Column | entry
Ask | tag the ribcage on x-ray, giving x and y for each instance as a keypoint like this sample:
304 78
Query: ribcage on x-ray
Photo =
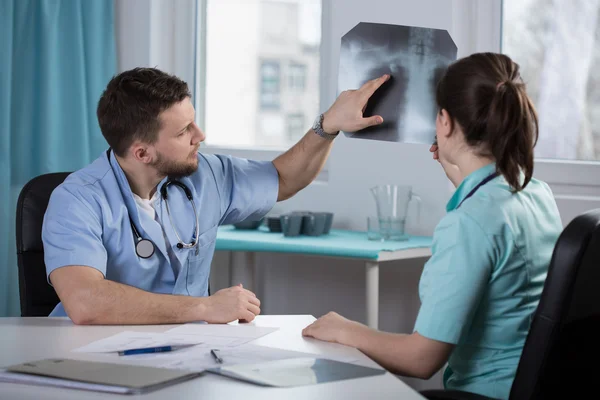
415 58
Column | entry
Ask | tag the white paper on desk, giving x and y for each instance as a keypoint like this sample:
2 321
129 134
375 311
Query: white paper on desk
199 358
137 340
235 334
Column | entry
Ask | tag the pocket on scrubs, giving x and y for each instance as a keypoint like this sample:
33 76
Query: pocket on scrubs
197 267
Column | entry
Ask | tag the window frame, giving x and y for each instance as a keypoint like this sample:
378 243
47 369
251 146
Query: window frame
255 152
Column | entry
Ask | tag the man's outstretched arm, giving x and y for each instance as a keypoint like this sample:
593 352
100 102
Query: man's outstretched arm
301 164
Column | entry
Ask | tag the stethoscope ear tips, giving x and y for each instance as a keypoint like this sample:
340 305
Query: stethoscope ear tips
179 246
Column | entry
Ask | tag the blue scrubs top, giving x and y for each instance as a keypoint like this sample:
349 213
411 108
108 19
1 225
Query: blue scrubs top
480 288
87 222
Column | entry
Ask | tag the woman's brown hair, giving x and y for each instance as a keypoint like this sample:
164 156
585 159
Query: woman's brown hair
485 95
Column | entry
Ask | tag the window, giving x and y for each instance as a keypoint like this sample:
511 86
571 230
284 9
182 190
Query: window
297 77
557 44
269 85
258 63
296 126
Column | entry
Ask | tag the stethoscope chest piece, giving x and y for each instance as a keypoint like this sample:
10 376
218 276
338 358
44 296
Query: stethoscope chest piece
144 248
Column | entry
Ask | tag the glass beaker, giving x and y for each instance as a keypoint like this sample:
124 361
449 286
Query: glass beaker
392 203
373 230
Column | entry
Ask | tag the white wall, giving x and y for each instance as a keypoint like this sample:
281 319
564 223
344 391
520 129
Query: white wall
303 284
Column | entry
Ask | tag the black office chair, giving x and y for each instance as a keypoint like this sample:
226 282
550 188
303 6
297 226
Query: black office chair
561 356
38 298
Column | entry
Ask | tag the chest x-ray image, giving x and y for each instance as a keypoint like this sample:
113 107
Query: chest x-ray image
415 58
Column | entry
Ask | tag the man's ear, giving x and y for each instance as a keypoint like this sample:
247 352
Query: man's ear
141 152
446 123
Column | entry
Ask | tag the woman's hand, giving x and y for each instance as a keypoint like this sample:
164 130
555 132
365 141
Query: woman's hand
451 170
334 328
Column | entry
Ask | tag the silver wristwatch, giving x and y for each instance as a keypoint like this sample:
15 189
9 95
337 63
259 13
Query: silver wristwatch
318 128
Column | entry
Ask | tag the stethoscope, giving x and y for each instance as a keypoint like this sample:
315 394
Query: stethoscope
480 184
145 248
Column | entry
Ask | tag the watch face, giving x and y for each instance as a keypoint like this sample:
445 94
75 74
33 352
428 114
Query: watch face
317 122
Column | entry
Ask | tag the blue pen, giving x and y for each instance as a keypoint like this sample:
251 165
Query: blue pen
148 350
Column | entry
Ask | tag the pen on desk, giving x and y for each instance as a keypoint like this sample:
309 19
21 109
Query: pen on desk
216 356
148 350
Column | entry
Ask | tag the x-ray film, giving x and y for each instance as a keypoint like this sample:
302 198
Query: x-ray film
415 58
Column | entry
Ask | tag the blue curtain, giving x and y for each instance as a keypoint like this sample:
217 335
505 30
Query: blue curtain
57 57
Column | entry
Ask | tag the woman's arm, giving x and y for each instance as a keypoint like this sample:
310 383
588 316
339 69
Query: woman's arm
408 355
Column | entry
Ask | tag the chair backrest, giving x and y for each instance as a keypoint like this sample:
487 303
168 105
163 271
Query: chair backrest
562 350
38 298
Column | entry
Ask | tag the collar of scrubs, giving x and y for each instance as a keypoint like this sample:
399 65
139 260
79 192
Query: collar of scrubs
468 184
147 226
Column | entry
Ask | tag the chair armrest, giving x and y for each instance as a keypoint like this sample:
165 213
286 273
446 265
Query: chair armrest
437 394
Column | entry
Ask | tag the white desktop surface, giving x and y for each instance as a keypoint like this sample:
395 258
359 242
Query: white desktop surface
28 339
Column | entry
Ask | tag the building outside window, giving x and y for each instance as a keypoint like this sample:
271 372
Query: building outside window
557 44
260 64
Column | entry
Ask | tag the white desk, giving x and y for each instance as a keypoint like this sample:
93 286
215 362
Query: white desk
339 244
28 339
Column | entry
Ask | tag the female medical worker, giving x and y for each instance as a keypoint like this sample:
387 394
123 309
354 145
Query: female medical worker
490 252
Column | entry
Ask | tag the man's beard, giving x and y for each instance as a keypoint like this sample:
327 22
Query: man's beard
174 169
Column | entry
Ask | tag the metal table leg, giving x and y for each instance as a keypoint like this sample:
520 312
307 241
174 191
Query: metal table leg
372 287
250 263
245 273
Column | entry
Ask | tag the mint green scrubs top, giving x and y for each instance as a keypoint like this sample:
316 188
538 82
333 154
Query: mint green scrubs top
483 282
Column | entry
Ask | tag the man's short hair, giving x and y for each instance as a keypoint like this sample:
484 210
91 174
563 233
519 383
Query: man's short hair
129 108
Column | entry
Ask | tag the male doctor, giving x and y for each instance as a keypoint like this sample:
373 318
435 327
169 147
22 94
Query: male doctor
129 239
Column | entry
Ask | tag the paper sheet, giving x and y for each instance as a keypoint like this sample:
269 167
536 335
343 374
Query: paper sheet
198 358
137 340
248 332
209 336
232 341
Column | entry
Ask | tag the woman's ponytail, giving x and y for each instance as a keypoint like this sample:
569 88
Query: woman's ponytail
511 133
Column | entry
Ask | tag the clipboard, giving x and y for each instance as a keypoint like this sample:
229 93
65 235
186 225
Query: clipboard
94 376
296 372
